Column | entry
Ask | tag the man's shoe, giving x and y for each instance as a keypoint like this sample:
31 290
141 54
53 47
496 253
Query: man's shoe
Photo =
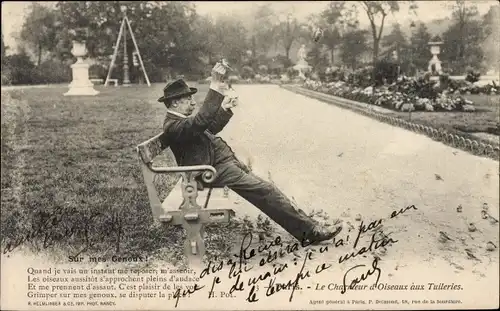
319 234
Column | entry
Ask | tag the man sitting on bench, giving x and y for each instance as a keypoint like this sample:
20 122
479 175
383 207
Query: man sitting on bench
193 141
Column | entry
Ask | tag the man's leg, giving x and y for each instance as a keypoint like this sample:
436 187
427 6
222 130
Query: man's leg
265 196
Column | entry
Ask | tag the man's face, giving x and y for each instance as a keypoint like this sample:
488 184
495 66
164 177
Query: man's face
185 105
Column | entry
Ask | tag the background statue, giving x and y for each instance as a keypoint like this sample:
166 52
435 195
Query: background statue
301 53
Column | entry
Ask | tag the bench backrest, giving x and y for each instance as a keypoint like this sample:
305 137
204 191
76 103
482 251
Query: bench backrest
152 147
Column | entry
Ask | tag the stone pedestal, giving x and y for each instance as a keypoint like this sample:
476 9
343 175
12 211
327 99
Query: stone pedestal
435 50
81 85
302 67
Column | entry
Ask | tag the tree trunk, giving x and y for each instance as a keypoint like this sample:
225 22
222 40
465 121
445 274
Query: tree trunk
375 51
39 55
254 47
331 56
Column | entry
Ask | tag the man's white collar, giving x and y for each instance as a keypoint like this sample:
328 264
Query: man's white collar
176 113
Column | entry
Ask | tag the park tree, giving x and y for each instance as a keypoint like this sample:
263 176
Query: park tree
419 49
316 58
354 43
287 31
396 43
329 22
462 40
230 39
262 29
377 11
40 29
204 30
4 50
491 38
335 20
396 38
164 30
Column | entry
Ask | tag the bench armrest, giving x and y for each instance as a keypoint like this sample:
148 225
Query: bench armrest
208 171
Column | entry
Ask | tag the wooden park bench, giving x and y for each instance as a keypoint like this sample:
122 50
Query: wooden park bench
114 81
96 80
189 214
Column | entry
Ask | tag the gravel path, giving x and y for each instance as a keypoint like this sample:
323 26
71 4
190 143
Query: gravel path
347 164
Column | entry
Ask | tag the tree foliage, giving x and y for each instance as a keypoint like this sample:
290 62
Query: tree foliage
174 39
40 30
419 48
288 31
337 19
354 44
462 40
491 44
262 31
316 58
163 30
377 11
4 50
230 39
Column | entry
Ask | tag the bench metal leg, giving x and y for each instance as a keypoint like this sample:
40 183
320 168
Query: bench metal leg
190 215
194 246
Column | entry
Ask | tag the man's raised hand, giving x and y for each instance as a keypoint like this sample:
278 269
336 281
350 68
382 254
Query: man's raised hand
218 72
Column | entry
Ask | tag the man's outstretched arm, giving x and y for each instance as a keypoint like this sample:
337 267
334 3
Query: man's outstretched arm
221 119
224 113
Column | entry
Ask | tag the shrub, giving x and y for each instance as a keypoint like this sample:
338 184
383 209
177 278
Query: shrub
247 72
6 76
98 71
385 72
263 69
472 75
21 69
155 74
292 73
52 71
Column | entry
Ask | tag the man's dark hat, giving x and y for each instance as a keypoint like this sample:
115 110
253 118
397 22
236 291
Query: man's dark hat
176 89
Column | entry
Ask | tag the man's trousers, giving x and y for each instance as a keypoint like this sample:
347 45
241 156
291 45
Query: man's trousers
264 195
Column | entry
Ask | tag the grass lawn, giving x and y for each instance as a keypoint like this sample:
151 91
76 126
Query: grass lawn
70 174
485 119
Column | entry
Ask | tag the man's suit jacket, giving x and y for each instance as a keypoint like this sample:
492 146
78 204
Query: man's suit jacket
188 137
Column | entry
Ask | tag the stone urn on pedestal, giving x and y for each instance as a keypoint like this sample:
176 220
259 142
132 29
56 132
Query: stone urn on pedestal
81 85
435 63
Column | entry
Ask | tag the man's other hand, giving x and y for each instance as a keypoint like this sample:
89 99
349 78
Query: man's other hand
229 102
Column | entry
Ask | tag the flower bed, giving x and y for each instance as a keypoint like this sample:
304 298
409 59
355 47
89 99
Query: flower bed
407 94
